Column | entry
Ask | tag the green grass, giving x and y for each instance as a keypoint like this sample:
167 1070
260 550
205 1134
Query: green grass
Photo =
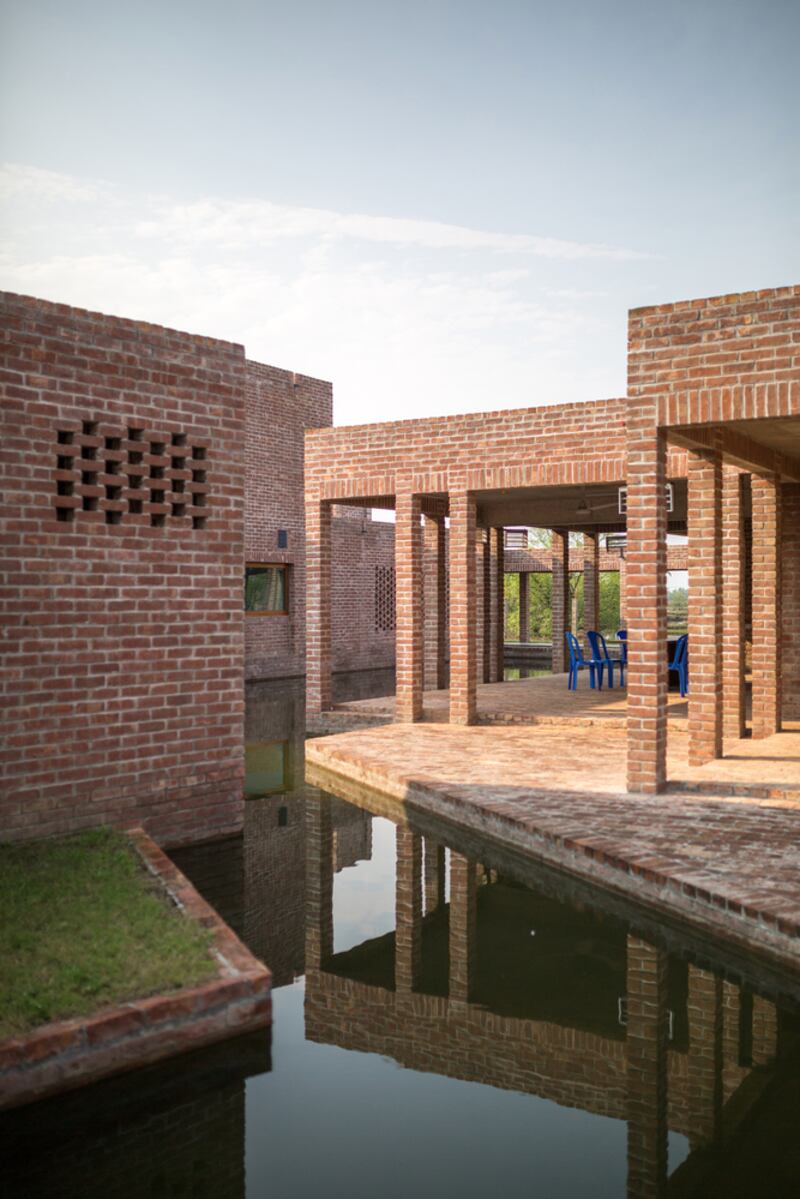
82 925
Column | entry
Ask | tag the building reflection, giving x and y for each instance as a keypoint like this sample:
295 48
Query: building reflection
508 987
174 1128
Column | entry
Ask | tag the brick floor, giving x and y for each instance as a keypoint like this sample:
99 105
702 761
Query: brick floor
543 699
715 857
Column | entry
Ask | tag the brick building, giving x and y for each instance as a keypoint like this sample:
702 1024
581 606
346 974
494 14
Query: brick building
143 470
713 410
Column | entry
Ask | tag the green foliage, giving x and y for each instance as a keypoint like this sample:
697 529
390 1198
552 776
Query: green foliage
83 925
540 597
678 610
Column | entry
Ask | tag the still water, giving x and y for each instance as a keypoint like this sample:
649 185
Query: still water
449 1020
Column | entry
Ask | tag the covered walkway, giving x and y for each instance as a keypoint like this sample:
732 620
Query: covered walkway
707 444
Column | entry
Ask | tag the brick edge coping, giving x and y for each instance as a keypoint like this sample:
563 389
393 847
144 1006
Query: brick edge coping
637 877
70 1053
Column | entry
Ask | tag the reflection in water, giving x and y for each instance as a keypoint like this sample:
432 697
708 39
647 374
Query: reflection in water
552 1040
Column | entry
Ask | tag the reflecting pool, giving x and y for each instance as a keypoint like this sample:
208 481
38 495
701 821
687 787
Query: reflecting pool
450 1019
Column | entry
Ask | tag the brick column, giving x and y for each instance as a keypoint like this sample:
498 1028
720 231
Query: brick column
318 606
434 875
409 635
561 600
765 1031
623 578
646 601
591 581
524 606
408 910
766 605
319 880
463 927
732 1072
497 633
705 605
704 1006
646 1054
463 695
483 607
435 571
734 483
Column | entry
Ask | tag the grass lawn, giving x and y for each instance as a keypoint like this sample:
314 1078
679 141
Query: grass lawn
82 925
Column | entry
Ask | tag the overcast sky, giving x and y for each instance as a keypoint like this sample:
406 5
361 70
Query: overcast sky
439 206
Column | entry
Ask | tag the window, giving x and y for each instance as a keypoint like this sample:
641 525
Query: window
266 592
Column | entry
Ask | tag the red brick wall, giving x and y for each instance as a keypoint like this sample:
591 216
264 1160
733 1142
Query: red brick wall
281 406
790 564
123 640
359 551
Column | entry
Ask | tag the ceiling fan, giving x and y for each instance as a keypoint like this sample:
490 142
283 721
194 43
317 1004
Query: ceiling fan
585 508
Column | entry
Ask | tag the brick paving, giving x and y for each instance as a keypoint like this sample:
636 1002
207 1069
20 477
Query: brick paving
728 861
543 699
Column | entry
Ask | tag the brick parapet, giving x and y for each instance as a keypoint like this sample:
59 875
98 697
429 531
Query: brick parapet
723 358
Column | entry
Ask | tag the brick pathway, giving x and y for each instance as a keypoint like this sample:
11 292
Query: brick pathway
729 863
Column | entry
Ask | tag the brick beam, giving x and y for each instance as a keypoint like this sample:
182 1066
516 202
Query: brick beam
463 678
766 605
496 638
435 571
646 1054
318 606
409 640
737 449
408 910
524 607
704 1009
591 581
319 880
463 927
561 599
705 605
646 606
734 484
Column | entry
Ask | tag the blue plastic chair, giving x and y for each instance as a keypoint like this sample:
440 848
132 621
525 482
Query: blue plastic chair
577 662
600 654
679 662
622 637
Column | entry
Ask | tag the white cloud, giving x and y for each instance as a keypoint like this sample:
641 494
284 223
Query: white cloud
29 184
406 317
233 224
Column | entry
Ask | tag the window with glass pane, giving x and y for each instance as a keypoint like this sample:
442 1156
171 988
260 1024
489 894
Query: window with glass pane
265 589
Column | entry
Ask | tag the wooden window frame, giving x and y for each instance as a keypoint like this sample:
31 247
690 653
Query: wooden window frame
284 566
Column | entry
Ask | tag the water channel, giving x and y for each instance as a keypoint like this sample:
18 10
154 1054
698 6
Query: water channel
450 1019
